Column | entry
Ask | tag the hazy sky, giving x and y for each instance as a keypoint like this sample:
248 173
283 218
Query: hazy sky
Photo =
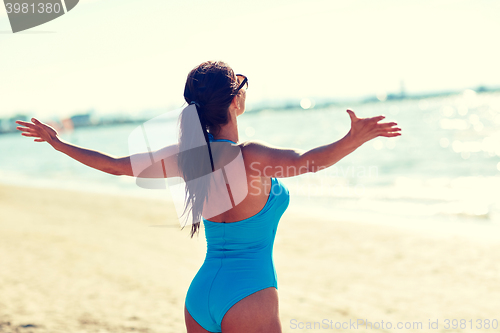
128 55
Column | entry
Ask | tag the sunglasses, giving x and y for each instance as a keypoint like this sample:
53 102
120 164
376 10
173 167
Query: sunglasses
243 83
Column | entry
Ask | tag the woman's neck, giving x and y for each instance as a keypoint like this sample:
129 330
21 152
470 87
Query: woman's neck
229 131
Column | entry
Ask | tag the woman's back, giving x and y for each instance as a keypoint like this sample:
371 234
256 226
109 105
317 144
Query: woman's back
258 189
239 260
252 233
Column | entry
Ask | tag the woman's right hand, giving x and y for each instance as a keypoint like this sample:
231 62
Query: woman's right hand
40 131
365 129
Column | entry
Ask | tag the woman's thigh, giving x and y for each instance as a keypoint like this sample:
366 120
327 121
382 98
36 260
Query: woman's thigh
256 313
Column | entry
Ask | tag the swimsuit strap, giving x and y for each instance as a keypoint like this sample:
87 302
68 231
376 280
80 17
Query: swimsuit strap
211 138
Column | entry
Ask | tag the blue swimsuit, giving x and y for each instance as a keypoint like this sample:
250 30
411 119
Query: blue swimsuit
239 261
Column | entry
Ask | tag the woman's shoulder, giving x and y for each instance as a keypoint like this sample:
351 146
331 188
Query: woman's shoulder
252 147
260 157
271 160
254 150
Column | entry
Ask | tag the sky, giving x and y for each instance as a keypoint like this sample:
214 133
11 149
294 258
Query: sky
131 55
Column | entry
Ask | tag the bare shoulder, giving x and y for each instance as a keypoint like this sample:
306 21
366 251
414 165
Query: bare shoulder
262 157
256 150
257 147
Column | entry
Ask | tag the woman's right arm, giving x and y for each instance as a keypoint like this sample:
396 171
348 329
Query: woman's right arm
268 161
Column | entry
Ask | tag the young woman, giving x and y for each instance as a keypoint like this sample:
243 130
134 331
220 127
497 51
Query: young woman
235 290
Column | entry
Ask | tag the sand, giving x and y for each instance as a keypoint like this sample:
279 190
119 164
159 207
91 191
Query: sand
80 262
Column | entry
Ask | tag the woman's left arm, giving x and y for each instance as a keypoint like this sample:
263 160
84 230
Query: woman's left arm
156 164
45 133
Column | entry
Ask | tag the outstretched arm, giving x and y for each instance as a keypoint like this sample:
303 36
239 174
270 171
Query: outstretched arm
165 158
269 161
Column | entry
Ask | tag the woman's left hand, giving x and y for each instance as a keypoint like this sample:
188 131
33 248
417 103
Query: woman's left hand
42 132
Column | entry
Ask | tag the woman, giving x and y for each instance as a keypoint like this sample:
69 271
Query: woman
235 290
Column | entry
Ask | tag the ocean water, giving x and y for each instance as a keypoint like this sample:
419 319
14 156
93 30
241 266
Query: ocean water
443 171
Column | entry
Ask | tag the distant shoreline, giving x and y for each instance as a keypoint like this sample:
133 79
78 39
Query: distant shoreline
91 119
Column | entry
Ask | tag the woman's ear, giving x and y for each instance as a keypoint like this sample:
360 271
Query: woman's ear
236 102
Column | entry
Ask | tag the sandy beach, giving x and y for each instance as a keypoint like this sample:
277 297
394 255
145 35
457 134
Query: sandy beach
80 262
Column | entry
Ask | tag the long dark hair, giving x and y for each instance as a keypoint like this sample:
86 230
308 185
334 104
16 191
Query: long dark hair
211 86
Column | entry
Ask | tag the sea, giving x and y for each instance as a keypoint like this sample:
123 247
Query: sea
441 176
